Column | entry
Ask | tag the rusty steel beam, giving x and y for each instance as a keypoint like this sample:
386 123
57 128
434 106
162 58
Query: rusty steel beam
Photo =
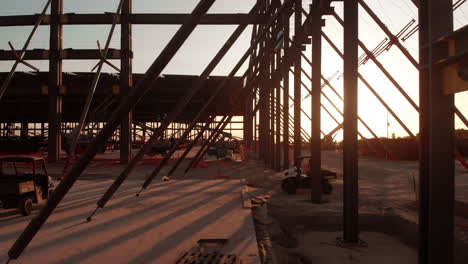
350 137
111 125
136 19
66 54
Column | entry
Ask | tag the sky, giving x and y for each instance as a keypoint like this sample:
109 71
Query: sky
205 41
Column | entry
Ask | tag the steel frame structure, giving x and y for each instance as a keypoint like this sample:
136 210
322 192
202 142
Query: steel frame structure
272 55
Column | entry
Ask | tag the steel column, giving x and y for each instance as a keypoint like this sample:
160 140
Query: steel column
350 139
315 142
437 167
286 68
297 81
424 124
126 81
278 118
55 82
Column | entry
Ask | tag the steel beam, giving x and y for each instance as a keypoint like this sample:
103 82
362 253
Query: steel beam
126 81
271 105
373 91
20 57
55 82
405 52
211 139
136 19
338 110
190 146
84 114
180 106
437 168
262 35
393 39
424 125
67 54
315 142
381 67
111 125
297 81
278 146
286 150
350 139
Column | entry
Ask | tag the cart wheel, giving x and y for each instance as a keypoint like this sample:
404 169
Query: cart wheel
25 206
327 188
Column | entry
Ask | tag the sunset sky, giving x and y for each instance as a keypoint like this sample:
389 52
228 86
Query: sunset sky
203 44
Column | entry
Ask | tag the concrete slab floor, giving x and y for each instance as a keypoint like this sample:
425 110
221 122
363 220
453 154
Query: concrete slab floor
321 248
386 188
158 227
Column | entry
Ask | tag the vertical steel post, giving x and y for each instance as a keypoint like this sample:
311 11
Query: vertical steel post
262 127
278 145
248 119
126 80
350 148
424 58
286 68
271 105
315 142
55 82
437 126
297 81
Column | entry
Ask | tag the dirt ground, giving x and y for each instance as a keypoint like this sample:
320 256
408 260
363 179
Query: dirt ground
292 230
300 232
